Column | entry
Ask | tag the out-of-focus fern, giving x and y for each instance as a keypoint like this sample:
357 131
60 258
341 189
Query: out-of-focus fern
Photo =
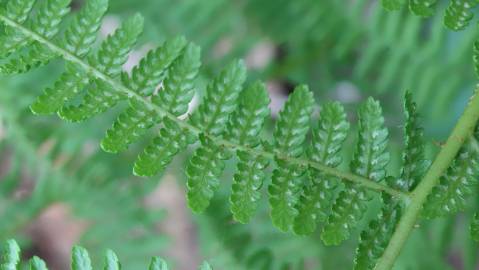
80 260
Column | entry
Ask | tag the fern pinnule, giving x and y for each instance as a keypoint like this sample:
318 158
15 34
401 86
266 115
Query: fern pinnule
37 264
176 93
458 14
423 8
146 76
109 59
111 261
327 139
81 34
370 160
244 127
289 137
220 99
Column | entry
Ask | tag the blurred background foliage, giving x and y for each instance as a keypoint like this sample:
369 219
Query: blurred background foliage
57 188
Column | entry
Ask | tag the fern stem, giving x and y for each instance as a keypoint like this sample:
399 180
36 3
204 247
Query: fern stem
462 131
363 181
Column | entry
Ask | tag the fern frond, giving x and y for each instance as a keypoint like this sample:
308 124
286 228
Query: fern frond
80 260
449 196
328 137
227 124
458 14
289 136
475 227
109 59
370 160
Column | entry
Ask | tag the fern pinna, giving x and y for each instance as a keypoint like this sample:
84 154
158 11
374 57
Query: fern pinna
80 260
307 187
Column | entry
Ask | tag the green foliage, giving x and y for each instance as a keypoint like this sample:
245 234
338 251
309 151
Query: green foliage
80 260
227 125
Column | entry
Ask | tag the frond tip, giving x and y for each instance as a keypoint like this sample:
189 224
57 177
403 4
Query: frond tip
10 260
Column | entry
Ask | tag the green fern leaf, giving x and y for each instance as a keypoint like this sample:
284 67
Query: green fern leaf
10 256
220 100
414 161
207 163
171 140
392 4
423 8
458 14
177 93
449 196
158 264
47 24
111 261
37 264
328 136
203 172
375 238
18 10
110 58
370 160
475 227
70 83
81 34
146 77
80 259
244 128
289 135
